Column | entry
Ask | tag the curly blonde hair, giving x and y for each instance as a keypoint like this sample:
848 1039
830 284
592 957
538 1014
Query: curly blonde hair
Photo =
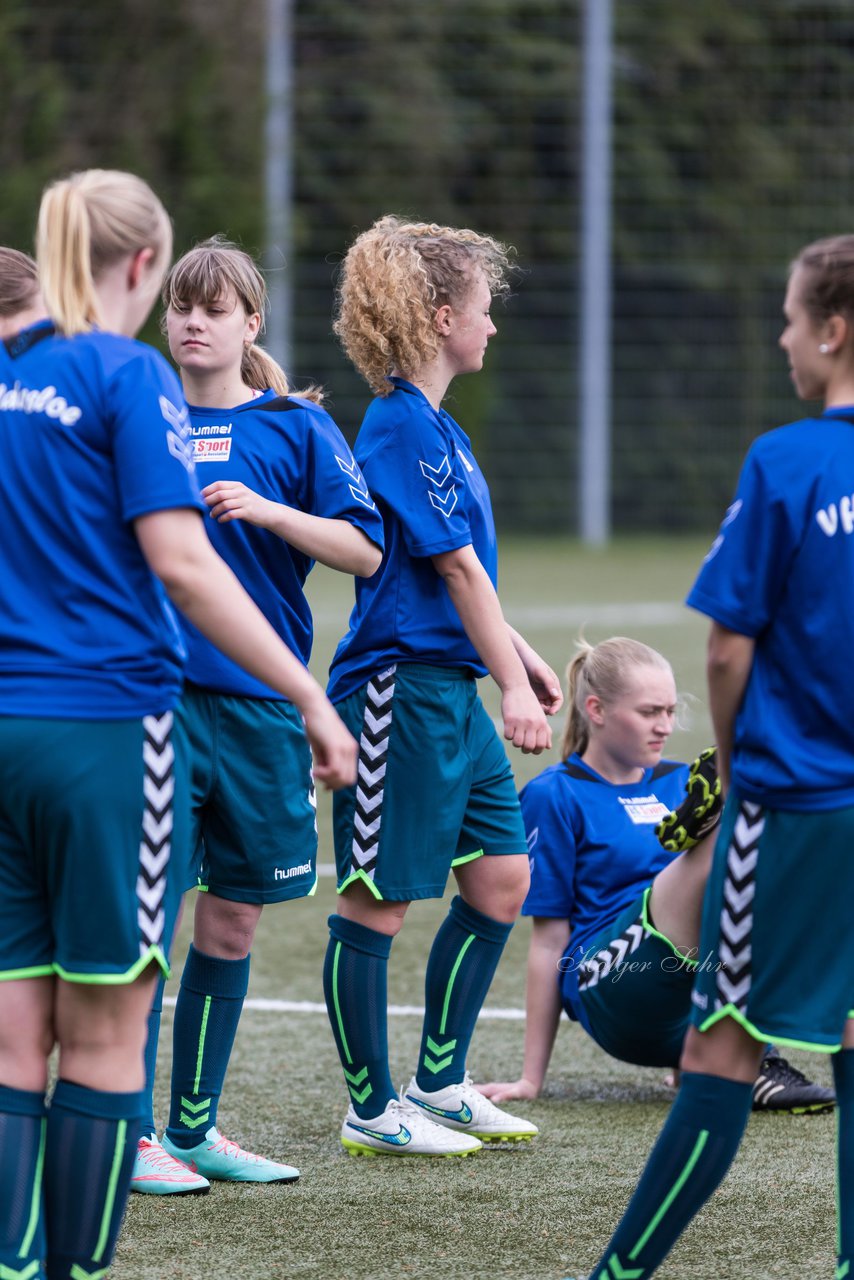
394 278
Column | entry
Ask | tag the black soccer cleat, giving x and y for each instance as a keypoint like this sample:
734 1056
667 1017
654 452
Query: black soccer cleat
781 1087
700 811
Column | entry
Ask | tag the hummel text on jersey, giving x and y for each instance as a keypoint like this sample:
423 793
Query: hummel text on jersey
833 515
44 400
288 873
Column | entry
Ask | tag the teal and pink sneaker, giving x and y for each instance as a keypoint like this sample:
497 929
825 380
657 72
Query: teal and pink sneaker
222 1160
156 1173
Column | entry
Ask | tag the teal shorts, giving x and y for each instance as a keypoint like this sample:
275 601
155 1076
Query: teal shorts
254 828
434 789
632 990
94 820
777 947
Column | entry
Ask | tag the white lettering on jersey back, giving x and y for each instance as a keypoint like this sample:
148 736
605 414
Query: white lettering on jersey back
833 516
643 809
39 400
437 479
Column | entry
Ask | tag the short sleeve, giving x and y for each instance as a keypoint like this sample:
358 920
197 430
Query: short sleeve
417 472
338 490
546 811
747 566
151 438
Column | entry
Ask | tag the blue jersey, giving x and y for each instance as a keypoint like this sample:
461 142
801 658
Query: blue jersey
593 846
433 498
782 572
92 436
290 451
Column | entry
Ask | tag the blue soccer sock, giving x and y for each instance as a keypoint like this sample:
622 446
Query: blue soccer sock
91 1144
462 964
210 1001
355 987
23 1133
151 1056
843 1079
690 1159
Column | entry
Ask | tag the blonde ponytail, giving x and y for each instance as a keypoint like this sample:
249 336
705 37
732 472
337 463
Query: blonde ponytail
86 224
605 671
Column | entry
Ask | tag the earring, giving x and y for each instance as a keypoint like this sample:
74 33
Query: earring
824 348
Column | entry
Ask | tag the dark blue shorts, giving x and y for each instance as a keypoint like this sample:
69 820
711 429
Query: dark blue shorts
632 990
435 787
94 823
777 947
254 828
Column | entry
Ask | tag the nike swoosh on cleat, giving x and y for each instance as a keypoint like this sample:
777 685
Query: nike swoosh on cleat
463 1115
400 1139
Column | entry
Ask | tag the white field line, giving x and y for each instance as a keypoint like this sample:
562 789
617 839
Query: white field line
395 1010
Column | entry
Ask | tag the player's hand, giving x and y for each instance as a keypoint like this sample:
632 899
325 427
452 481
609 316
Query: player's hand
334 749
545 685
231 500
508 1090
525 724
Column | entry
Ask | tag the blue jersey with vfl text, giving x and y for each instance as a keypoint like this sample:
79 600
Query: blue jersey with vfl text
782 572
433 498
593 848
92 436
288 450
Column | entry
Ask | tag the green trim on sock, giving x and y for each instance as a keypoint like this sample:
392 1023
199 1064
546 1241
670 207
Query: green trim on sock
673 1193
842 1271
26 1273
202 888
366 879
201 1052
37 971
656 933
764 1037
193 1121
116 979
619 1272
77 1273
110 1198
463 949
338 1014
466 857
36 1202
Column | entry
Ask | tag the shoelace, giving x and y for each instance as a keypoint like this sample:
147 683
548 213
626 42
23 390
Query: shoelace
234 1151
154 1155
783 1068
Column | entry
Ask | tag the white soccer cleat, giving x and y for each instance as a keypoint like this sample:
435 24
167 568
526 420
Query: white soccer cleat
464 1108
402 1130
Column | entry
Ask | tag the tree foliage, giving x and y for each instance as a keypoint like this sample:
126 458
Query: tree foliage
731 149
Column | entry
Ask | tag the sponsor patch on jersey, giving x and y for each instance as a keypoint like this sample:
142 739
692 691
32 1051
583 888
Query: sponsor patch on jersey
217 449
644 809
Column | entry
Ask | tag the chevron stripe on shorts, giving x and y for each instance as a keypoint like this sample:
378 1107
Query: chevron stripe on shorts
612 956
736 929
370 780
155 844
